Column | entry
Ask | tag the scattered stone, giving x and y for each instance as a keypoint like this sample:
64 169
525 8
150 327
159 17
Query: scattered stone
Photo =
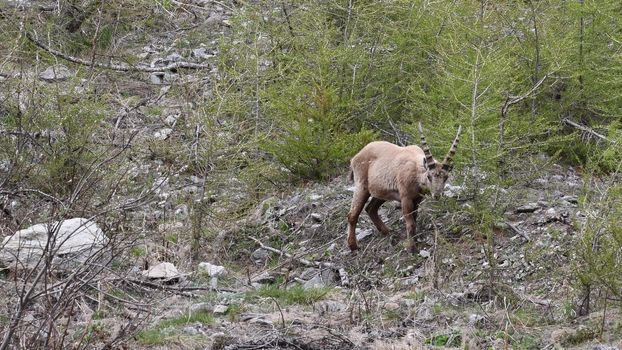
203 53
260 255
171 119
181 212
220 309
424 312
198 307
174 57
160 78
212 270
159 183
163 270
528 208
215 19
314 229
75 241
191 329
316 217
363 233
264 210
424 253
309 273
54 73
329 306
323 279
170 226
391 306
409 281
452 191
604 347
162 134
221 341
315 197
191 189
571 199
475 319
263 278
196 180
552 215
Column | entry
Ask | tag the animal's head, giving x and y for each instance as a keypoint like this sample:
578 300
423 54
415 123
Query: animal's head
437 173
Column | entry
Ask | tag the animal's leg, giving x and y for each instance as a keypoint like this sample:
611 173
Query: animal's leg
358 202
409 208
372 209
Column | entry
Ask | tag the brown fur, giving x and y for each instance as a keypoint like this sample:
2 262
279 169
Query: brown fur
384 171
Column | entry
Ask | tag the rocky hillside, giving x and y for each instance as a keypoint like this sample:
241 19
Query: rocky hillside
154 195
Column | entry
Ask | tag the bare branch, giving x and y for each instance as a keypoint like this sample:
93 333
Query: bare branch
586 129
300 260
117 67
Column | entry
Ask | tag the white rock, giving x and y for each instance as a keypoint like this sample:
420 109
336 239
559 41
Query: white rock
452 191
162 134
424 253
315 197
74 241
391 306
263 277
159 78
163 270
316 217
362 234
202 53
329 306
181 212
212 270
174 57
57 72
260 255
220 309
323 279
171 119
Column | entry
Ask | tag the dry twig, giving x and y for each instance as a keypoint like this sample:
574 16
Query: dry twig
586 129
287 255
117 67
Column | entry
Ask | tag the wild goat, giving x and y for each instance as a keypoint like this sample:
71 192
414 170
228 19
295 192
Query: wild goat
385 172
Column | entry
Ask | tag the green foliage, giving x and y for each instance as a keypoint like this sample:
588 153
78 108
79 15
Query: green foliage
519 341
448 340
234 311
165 330
295 294
598 260
313 143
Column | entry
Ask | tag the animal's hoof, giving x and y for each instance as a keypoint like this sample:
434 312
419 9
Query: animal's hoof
411 247
353 245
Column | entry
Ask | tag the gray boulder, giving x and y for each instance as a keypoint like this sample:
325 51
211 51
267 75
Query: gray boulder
57 72
72 241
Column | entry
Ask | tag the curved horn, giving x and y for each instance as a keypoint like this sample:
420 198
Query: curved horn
426 150
452 150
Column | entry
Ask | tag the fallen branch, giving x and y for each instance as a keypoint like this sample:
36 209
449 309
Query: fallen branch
586 129
185 291
290 256
117 67
517 231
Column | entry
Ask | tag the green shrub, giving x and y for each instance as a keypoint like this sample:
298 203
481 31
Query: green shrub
313 142
296 294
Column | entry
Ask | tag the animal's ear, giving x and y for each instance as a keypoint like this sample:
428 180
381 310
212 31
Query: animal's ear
425 164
